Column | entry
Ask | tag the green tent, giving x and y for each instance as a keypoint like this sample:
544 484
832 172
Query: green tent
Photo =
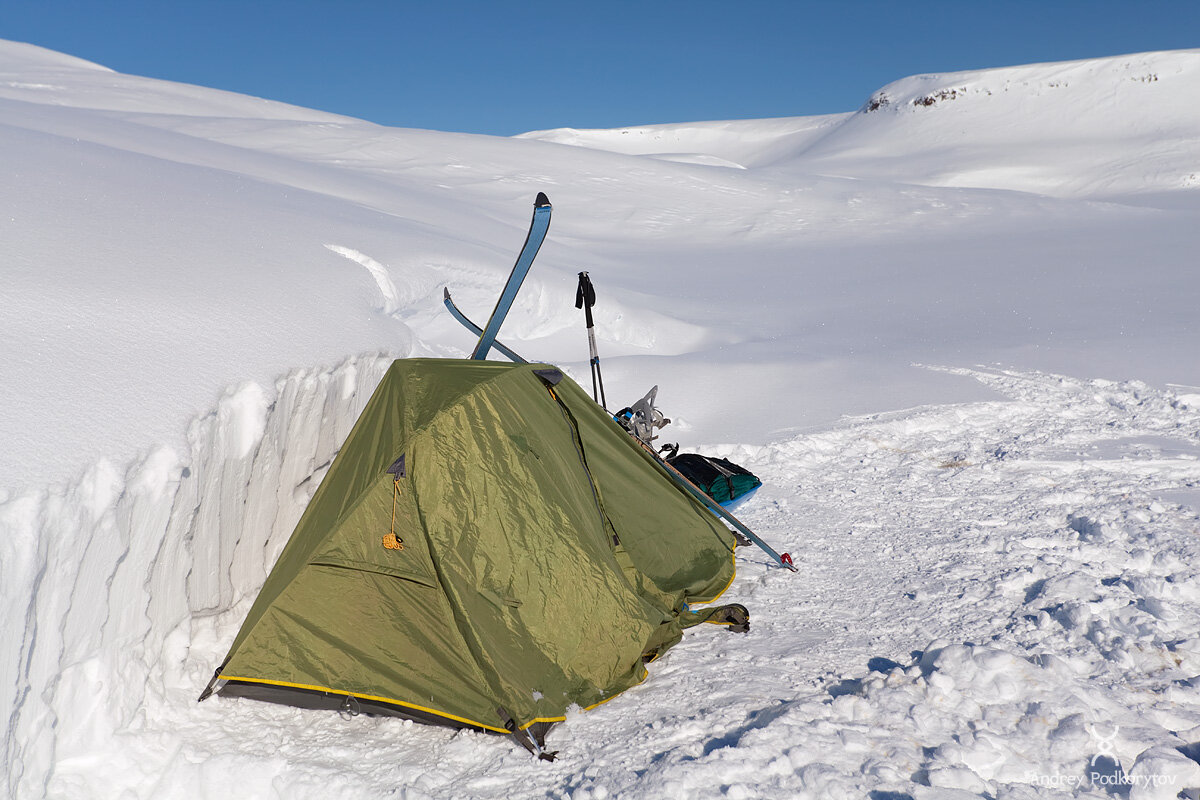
488 549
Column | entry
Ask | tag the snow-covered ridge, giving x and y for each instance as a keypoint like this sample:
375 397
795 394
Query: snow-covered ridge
735 143
35 75
24 57
1036 80
1101 127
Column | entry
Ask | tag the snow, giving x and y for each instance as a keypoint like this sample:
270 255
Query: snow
1095 128
954 333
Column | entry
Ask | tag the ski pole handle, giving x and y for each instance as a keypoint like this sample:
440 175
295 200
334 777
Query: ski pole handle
585 297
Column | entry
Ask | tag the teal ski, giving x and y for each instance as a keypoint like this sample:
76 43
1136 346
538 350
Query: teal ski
533 242
475 329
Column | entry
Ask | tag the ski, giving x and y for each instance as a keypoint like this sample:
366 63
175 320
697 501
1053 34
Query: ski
533 242
475 329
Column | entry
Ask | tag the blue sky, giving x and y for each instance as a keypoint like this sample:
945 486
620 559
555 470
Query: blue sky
506 67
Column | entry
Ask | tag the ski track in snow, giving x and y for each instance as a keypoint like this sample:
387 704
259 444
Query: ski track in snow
378 273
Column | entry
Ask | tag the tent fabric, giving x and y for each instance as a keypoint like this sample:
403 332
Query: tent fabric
538 557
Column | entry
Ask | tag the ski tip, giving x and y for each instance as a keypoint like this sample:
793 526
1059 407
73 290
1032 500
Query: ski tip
541 200
445 293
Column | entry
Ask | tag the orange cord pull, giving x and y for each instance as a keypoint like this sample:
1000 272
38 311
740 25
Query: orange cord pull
392 541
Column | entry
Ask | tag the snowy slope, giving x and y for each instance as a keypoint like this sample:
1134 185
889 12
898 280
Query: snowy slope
733 143
1099 128
999 597
1096 128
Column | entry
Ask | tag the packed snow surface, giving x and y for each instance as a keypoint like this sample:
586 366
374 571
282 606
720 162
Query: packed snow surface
953 331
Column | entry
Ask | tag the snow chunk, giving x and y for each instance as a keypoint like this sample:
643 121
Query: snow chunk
242 416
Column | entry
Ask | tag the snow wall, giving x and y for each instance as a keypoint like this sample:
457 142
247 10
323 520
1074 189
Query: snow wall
111 579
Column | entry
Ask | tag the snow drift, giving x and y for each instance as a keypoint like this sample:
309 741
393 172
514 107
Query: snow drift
203 289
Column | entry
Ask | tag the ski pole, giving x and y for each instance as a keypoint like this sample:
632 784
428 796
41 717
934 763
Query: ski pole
784 560
585 298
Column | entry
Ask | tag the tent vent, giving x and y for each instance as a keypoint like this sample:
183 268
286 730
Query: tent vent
397 467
